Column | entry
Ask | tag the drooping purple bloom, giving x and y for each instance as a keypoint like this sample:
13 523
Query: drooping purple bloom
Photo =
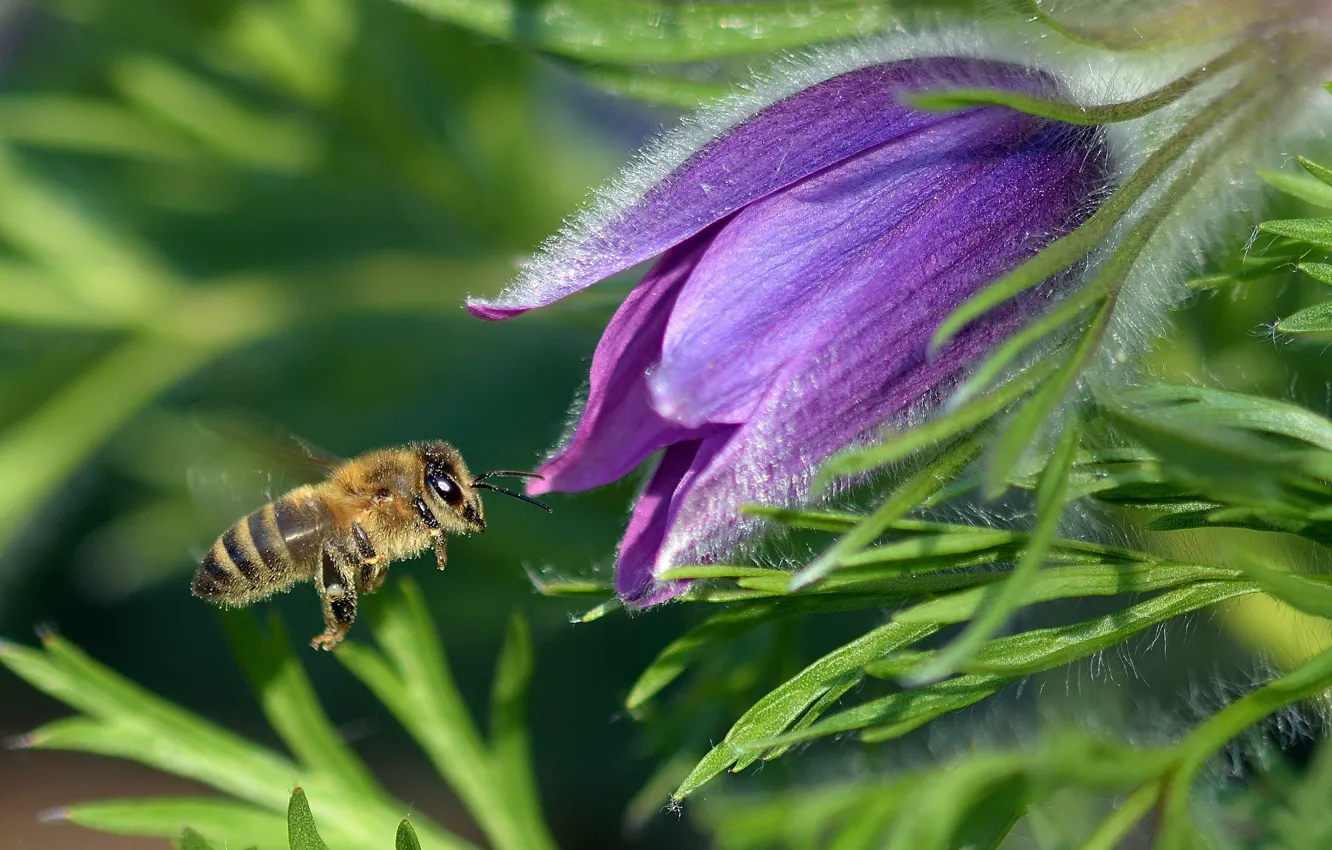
806 256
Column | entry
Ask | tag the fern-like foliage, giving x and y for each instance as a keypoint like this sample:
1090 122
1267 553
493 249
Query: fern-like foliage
1158 461
408 671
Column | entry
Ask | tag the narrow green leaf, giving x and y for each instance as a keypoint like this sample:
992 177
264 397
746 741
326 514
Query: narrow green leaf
1321 272
412 678
892 717
301 831
1069 583
1315 231
509 742
406 838
939 806
127 721
784 705
191 840
1068 250
707 571
1110 833
645 31
598 611
1037 650
1298 592
1310 320
227 823
934 432
1007 596
813 520
908 495
1003 661
1322 172
1298 185
694 644
289 702
1072 113
1196 406
652 87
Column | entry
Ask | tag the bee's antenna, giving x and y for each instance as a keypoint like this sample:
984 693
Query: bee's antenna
507 473
482 485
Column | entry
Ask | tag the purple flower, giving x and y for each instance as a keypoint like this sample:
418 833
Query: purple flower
806 255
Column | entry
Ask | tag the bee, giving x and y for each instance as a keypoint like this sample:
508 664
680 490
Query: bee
343 532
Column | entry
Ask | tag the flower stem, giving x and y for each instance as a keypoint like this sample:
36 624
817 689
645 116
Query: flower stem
1072 113
1064 252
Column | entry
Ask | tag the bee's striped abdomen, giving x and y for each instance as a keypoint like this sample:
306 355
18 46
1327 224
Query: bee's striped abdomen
264 553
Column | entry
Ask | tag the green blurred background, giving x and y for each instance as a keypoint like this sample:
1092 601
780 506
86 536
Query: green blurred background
277 207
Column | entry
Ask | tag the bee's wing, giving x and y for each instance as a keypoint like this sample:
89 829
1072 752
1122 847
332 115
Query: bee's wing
267 440
250 462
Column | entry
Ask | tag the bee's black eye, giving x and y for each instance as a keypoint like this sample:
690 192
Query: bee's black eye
446 488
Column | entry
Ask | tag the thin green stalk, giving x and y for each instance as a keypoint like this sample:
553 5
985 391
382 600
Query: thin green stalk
907 496
1007 596
1072 113
1064 252
1110 832
1312 678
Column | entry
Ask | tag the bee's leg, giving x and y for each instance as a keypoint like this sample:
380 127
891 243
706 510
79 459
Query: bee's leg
337 590
436 533
372 572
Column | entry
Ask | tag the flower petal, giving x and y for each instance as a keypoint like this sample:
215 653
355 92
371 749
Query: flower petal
654 513
897 230
780 145
618 429
842 395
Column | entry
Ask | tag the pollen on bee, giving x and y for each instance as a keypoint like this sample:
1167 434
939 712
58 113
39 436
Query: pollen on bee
335 591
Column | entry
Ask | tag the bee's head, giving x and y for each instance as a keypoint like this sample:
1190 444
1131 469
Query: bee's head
449 490
455 495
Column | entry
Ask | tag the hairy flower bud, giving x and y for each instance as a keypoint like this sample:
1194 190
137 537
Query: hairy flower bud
807 254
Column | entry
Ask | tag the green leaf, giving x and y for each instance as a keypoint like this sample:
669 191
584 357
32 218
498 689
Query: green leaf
509 708
1072 113
1069 583
1007 596
940 805
1321 272
1315 319
406 838
1296 591
951 424
1315 231
783 706
289 702
1322 172
1204 406
908 495
1300 186
301 832
127 721
688 648
227 823
191 840
644 31
652 87
1002 661
411 677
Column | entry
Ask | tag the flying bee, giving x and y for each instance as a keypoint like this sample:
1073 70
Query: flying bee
344 531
